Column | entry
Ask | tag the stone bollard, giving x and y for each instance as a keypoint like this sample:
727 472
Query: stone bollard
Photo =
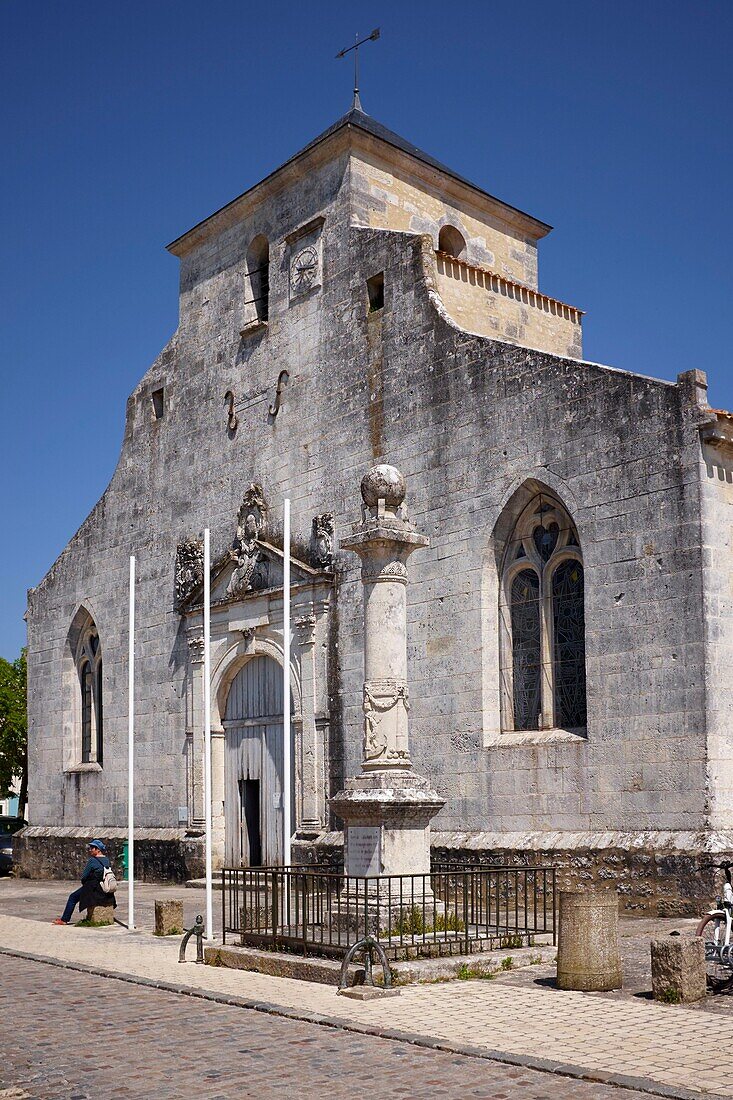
678 970
100 914
169 918
588 956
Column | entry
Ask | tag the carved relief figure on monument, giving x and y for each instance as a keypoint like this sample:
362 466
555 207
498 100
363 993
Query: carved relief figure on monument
189 569
379 699
251 520
322 539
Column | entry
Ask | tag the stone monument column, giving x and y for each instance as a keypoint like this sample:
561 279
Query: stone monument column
195 740
388 807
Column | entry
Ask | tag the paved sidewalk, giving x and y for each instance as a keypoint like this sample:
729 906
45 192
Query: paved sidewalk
631 1041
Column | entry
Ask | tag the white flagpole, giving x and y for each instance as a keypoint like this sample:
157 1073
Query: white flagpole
207 735
131 755
287 777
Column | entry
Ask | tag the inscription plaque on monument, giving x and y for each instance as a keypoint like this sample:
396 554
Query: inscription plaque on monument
365 850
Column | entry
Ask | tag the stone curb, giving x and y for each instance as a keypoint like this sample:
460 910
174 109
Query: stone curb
544 1065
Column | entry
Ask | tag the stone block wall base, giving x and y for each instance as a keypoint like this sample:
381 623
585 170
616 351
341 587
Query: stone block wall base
46 853
678 970
323 853
654 874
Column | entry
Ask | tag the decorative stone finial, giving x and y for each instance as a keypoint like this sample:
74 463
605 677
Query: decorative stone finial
385 483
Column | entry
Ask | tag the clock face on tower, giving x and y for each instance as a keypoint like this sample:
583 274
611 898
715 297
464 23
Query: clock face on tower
303 269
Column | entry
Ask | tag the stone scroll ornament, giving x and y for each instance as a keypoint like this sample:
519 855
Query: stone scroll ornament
385 706
189 569
322 539
251 520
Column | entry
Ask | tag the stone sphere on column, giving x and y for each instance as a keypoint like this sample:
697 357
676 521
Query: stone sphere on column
385 483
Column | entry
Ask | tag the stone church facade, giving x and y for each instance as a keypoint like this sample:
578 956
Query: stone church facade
570 626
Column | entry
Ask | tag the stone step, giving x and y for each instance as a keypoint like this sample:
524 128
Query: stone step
285 964
200 883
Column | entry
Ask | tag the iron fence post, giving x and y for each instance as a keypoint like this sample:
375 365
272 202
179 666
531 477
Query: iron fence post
554 917
223 907
274 908
304 909
465 911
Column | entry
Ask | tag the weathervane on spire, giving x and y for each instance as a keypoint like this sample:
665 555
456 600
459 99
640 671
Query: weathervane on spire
356 105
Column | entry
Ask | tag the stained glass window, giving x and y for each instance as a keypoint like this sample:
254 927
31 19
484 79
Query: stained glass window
569 644
100 737
542 621
86 712
526 653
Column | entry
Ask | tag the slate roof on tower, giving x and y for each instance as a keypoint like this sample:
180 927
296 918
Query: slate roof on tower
359 121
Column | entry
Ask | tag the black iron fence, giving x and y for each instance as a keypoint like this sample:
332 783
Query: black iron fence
447 912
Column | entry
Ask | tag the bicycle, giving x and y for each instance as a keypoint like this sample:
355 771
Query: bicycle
716 928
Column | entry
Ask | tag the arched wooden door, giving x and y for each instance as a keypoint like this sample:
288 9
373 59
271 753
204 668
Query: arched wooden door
253 765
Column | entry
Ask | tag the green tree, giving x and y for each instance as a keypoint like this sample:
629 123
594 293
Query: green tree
14 730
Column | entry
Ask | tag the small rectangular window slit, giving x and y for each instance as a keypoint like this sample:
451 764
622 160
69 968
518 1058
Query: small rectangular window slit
375 289
158 399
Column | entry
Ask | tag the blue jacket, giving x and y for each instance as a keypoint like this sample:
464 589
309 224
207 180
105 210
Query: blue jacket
94 870
91 892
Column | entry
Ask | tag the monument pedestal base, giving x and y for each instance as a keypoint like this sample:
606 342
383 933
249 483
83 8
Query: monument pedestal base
387 817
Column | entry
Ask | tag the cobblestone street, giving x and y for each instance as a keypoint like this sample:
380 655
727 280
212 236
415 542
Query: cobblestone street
69 1036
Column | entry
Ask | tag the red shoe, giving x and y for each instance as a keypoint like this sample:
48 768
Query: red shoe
59 921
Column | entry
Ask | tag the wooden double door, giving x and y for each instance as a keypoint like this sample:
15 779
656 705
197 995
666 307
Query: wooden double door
253 766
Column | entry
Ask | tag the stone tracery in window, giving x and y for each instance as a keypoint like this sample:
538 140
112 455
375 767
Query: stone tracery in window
542 621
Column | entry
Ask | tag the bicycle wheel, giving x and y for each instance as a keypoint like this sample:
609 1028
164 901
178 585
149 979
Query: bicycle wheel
712 930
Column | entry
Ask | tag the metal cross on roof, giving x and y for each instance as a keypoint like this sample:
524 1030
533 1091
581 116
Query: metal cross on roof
356 105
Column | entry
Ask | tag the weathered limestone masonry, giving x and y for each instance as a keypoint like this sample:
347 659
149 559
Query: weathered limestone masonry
324 283
490 305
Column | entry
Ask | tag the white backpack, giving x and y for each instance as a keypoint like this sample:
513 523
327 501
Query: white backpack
109 882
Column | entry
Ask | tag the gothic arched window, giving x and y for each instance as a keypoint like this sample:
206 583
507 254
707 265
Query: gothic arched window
89 670
542 621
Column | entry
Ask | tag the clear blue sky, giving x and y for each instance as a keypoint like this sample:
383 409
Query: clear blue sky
124 124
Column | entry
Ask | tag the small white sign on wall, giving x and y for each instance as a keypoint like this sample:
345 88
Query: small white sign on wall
277 801
364 844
